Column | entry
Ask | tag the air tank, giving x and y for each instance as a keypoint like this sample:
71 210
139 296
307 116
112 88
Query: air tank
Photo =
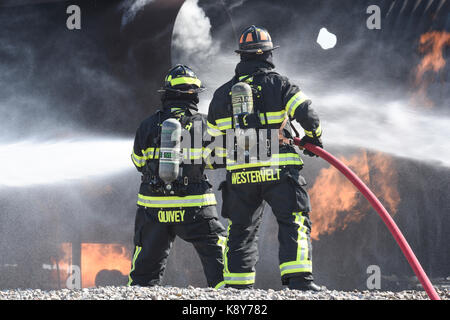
242 100
170 150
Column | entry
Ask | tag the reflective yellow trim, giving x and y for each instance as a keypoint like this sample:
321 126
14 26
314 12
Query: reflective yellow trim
222 120
220 285
249 80
221 242
185 80
296 100
295 267
138 160
200 200
239 278
281 159
317 132
151 153
273 117
302 263
214 130
136 253
224 123
225 259
221 152
192 153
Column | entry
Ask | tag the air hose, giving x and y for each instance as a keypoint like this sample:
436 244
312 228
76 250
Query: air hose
385 216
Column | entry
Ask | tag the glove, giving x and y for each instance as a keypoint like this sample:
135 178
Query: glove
317 141
249 120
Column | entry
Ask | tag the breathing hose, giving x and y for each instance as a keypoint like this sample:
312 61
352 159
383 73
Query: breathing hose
385 216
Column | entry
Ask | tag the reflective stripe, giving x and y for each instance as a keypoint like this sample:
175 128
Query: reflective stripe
302 239
234 278
281 159
239 278
294 102
136 253
273 117
137 160
221 152
225 259
294 267
214 130
192 153
151 153
173 201
218 152
317 132
250 79
220 285
222 242
224 123
302 263
185 80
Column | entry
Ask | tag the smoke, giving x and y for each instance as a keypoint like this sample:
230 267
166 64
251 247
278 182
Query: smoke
63 168
360 102
52 118
131 8
193 45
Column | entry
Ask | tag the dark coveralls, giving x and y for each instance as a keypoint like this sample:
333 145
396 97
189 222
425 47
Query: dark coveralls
279 184
189 213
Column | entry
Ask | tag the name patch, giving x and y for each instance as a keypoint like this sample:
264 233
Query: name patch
166 216
262 175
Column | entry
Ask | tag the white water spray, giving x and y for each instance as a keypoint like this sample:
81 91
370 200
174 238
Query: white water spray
357 119
34 162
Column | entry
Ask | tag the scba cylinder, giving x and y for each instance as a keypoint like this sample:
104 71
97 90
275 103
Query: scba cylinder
170 150
242 101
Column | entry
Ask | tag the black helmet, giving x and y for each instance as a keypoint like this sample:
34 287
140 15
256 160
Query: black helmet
255 40
182 79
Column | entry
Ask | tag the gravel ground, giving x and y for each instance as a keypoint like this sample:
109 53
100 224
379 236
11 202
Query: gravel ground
192 293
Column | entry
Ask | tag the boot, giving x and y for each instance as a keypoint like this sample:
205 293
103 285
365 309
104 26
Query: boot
303 285
240 286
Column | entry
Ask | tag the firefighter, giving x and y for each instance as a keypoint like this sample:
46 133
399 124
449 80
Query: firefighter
175 197
271 104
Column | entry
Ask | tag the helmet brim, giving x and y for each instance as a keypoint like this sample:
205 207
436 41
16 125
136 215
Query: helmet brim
190 91
255 50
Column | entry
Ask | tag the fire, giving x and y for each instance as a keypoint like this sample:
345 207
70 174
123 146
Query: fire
98 256
336 202
431 44
95 257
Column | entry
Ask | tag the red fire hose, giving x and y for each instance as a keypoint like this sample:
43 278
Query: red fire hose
385 216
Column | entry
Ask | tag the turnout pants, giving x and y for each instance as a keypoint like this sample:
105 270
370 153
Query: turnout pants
243 206
155 231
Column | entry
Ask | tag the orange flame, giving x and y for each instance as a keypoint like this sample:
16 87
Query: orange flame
94 258
336 202
99 256
431 44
